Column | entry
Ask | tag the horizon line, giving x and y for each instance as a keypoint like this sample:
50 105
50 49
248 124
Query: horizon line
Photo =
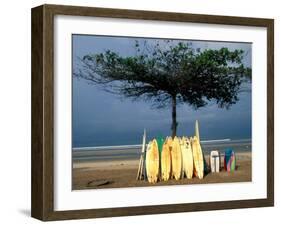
139 145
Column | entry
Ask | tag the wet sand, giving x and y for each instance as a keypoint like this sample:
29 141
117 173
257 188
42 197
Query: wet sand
122 173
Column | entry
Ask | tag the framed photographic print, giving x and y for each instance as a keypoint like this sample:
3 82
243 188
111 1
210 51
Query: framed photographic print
141 112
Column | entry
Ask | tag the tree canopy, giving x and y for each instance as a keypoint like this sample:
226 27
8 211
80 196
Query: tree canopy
170 74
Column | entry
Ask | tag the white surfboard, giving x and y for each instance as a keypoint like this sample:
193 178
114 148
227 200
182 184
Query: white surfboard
215 161
141 169
197 130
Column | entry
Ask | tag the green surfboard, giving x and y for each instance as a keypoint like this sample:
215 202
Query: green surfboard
160 142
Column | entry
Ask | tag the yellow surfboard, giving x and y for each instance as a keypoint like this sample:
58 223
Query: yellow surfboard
169 142
187 157
152 162
176 159
197 158
166 161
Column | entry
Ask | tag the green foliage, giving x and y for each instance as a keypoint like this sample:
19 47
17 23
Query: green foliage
160 73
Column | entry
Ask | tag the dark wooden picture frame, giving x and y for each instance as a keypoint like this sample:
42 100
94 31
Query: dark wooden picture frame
42 203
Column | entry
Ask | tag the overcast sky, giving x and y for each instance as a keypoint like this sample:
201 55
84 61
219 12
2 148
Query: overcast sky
100 118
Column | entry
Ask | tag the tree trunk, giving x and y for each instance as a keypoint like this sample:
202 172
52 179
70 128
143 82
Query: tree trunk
174 116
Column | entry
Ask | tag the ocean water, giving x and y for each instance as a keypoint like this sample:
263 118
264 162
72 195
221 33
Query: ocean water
126 152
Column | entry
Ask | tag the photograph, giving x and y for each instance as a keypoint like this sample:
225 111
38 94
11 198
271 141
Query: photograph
141 112
152 111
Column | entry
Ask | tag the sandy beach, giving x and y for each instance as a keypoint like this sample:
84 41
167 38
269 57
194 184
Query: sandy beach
122 173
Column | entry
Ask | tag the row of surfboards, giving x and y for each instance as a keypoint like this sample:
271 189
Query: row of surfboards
174 158
179 157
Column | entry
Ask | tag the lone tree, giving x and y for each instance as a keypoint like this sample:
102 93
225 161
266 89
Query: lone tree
168 74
